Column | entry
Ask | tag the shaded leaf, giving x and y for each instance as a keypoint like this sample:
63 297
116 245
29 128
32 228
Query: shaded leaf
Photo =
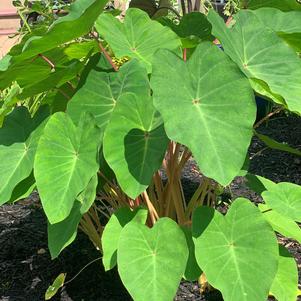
62 234
88 195
112 230
192 24
23 189
277 145
193 271
134 143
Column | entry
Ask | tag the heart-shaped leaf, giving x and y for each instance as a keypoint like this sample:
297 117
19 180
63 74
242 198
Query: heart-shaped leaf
151 262
101 90
134 143
281 224
236 250
66 160
260 54
208 105
19 137
285 284
285 198
137 37
111 233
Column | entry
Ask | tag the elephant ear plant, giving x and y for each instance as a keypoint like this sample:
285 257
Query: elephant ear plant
104 143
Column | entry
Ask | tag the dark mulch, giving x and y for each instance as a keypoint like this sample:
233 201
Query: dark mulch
26 269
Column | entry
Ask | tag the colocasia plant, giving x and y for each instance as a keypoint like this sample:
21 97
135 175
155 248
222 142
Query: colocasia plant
101 111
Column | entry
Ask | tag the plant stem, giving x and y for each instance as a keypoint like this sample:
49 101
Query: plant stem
152 211
80 271
103 50
24 20
48 61
267 117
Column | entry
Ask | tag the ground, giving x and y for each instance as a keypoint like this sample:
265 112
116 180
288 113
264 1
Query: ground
26 268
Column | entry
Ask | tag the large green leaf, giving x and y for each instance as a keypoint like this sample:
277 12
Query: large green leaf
260 54
137 37
134 143
151 262
281 224
236 250
285 285
101 91
208 105
19 137
66 160
284 5
285 198
112 230
78 22
286 24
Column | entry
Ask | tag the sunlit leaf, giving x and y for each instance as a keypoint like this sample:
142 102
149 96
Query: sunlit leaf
281 224
208 105
137 37
260 54
55 286
100 92
69 155
285 285
285 199
236 250
151 262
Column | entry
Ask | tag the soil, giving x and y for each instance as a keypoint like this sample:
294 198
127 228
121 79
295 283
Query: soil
27 270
